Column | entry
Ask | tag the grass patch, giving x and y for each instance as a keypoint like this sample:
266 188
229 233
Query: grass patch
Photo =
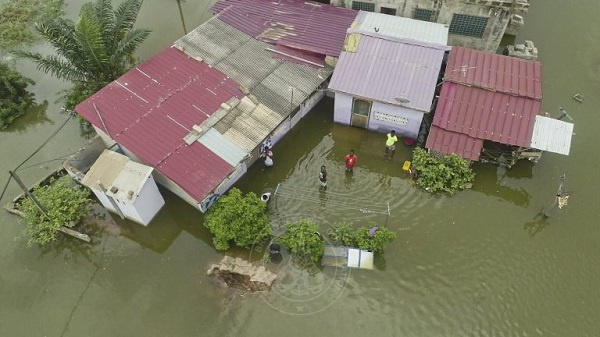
17 18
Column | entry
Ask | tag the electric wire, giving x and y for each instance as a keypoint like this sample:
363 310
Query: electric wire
34 153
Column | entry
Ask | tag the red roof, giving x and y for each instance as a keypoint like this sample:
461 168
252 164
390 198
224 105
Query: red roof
153 106
485 97
448 142
299 24
498 73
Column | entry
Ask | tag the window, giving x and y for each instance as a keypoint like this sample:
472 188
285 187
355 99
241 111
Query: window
388 10
363 6
424 14
361 107
468 25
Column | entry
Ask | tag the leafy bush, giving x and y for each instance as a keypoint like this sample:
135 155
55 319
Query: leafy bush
238 218
66 203
15 100
342 234
445 174
377 242
18 17
303 239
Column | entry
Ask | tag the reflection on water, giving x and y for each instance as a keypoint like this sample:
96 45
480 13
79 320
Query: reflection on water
36 115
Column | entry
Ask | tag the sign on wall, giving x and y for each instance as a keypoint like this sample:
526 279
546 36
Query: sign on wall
390 118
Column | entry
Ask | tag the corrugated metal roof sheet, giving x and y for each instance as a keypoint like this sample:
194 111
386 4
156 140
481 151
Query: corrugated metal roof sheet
223 147
498 73
303 25
402 28
248 62
153 106
448 142
386 71
248 124
552 135
487 115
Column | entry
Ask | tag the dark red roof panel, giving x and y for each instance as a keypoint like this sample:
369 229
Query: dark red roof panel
298 24
495 72
448 142
487 115
153 106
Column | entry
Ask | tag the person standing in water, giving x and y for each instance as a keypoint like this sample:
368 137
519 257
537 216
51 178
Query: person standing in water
323 177
351 160
268 155
390 144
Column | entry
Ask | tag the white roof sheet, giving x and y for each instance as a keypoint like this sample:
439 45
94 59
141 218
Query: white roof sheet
223 147
128 184
401 28
360 258
122 177
552 135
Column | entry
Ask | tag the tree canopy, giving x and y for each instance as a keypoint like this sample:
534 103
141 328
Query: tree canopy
238 218
15 100
92 52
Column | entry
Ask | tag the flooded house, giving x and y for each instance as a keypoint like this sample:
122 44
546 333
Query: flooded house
489 110
477 24
386 76
201 111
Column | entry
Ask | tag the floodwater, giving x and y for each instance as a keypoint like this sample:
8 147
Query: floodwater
479 263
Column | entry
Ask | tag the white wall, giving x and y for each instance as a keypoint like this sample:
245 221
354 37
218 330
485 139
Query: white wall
148 202
342 108
413 118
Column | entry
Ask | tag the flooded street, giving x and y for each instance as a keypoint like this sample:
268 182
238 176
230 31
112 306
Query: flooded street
479 263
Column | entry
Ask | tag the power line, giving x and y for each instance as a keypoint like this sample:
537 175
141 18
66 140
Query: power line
34 153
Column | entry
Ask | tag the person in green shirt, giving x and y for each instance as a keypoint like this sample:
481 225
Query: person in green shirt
390 144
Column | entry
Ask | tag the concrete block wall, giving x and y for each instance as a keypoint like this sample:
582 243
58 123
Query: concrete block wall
505 16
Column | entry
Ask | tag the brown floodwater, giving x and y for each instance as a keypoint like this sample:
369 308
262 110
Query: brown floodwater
479 263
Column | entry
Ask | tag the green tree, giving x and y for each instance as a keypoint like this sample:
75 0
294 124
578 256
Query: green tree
15 100
92 52
238 218
441 174
18 16
342 234
377 242
66 204
303 239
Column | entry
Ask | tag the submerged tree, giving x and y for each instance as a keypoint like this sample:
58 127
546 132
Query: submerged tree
441 173
238 218
15 100
92 52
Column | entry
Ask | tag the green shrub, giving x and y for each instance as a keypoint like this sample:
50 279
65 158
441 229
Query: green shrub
342 234
303 239
445 174
18 17
238 218
377 242
15 100
66 203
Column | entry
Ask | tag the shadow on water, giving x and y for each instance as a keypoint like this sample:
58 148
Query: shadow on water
498 181
36 115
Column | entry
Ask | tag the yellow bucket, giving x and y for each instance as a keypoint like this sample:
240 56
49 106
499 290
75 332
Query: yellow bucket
406 165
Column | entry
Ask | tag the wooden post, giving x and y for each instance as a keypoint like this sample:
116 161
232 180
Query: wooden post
29 194
62 229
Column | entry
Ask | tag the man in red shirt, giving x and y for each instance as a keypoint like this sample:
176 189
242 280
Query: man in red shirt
351 160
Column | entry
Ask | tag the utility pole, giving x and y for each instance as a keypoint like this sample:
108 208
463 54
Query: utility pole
63 229
29 194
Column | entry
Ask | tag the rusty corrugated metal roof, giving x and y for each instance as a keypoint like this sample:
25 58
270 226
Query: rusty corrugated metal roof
487 97
299 24
498 73
389 71
153 106
448 142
